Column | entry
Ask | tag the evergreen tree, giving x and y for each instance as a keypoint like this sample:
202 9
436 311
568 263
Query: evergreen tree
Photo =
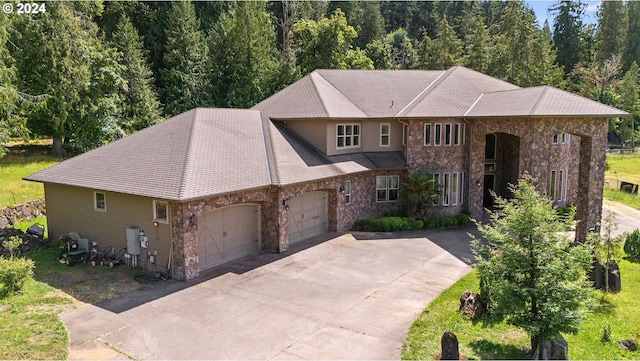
630 102
567 30
371 25
184 74
244 58
141 108
477 42
529 272
632 45
12 123
59 55
441 53
544 69
611 33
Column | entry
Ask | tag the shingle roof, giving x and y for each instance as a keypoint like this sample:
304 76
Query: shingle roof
539 101
192 155
206 152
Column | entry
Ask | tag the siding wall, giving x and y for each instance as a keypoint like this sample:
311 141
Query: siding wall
71 209
313 130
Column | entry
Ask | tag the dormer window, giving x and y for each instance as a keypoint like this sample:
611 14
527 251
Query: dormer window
347 136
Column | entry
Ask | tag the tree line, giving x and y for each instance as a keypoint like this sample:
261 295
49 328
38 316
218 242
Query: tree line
86 73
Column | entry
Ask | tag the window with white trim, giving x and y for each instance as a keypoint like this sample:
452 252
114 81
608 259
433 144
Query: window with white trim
445 190
347 192
347 136
447 134
458 134
436 176
387 188
461 189
405 130
454 188
160 211
562 138
384 134
99 201
438 134
552 185
561 181
427 134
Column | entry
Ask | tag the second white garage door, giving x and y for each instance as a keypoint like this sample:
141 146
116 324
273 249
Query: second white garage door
228 233
307 216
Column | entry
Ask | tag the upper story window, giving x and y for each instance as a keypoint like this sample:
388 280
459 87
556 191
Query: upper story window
438 135
450 134
348 136
100 201
384 134
427 134
458 134
447 134
160 211
562 138
405 131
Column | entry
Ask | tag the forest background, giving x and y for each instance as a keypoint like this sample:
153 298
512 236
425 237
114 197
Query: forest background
87 73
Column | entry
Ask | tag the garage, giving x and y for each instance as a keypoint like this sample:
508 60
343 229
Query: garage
227 234
307 216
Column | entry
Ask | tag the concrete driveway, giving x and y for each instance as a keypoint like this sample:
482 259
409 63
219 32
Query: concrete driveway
350 296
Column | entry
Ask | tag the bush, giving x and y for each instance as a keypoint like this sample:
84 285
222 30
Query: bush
13 273
396 212
632 244
442 221
388 224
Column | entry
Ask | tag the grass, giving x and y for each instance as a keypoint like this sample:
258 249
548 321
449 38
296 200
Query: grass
501 342
21 161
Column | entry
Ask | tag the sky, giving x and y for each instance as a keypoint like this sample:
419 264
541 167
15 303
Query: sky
540 8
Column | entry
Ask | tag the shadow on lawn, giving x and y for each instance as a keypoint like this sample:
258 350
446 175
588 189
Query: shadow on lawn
489 350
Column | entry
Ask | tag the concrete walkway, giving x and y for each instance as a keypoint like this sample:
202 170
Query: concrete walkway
349 296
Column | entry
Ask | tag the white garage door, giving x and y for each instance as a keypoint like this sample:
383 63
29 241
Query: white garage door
307 216
228 233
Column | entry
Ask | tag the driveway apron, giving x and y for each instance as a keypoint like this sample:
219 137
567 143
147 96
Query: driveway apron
335 296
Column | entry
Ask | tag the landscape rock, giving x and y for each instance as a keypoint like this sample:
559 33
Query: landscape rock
30 241
557 349
19 212
628 344
471 304
615 283
449 346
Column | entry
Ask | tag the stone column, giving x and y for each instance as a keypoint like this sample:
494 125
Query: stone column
283 222
590 182
476 172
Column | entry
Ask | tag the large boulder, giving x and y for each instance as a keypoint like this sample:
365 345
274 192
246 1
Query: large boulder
557 349
628 345
613 273
449 346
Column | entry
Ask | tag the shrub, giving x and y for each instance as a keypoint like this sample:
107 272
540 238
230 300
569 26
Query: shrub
632 244
13 273
442 221
396 212
388 224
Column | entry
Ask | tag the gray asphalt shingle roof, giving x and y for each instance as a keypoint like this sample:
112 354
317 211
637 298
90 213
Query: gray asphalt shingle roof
205 152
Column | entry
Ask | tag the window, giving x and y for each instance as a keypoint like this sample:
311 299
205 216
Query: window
405 130
387 188
461 189
427 134
160 211
490 148
458 134
447 134
565 138
436 176
348 136
555 139
552 185
445 190
562 138
384 134
438 135
454 189
347 192
99 201
560 185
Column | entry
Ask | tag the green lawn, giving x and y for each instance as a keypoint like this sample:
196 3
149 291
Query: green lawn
479 341
622 167
21 161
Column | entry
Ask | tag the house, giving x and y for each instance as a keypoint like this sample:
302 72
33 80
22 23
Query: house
211 185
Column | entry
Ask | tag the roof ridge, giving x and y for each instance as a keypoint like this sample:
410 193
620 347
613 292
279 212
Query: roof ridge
334 88
535 106
425 91
188 154
473 105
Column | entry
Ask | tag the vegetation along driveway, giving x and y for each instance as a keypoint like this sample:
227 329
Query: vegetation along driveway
349 296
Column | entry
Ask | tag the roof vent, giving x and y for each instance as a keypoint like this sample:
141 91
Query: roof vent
392 106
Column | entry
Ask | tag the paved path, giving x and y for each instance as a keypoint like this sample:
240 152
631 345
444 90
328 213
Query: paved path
331 297
627 218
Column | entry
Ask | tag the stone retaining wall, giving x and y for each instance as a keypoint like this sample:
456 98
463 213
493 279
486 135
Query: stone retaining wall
19 212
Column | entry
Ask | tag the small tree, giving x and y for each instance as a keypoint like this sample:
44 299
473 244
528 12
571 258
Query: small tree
418 194
606 246
530 274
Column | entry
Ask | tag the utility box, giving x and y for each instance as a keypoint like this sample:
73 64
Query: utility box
133 241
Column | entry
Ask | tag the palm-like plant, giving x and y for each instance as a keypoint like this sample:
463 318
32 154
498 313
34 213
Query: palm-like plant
418 194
